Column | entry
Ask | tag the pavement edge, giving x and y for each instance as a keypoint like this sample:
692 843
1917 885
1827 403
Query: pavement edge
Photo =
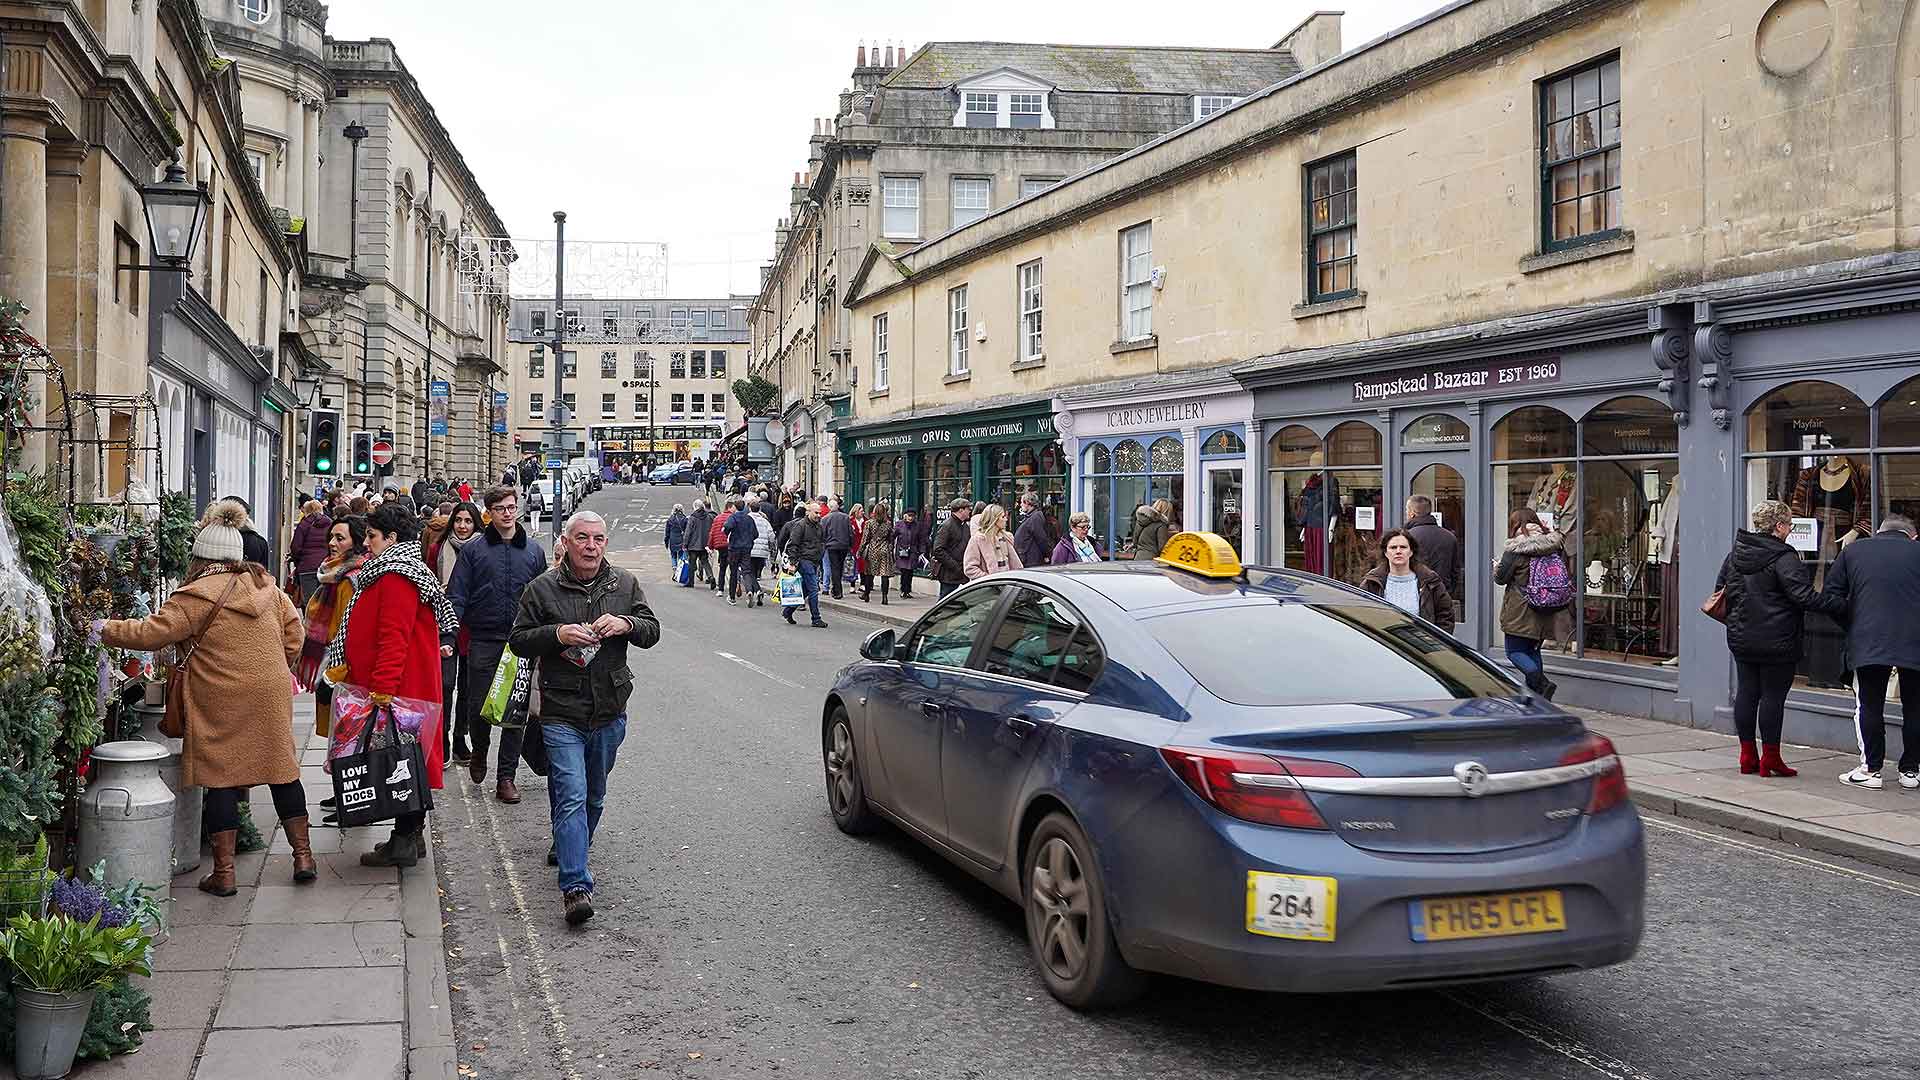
1759 823
430 1049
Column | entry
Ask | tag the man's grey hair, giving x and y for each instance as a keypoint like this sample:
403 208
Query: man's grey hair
1770 514
679 509
753 500
1029 499
1897 523
580 516
699 504
1419 506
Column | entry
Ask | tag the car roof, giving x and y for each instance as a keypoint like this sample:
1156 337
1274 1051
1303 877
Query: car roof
1143 587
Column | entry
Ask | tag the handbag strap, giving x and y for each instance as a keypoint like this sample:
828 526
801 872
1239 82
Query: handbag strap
373 721
205 621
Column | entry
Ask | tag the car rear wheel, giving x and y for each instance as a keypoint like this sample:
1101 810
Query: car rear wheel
1067 924
846 788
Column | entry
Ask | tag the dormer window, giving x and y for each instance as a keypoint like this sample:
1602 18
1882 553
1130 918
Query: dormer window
983 110
1205 105
1023 110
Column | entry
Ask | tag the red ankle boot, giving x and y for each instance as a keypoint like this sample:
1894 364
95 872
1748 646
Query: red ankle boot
1771 765
1749 756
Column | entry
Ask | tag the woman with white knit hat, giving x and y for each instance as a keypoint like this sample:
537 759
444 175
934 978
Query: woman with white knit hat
239 636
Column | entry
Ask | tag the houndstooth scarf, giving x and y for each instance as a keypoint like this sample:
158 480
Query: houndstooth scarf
403 559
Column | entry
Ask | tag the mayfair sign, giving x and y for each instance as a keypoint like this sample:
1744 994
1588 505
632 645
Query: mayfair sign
1025 428
1469 379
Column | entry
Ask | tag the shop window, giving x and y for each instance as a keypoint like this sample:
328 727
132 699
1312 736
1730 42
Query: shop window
1014 470
883 483
1326 496
1435 432
1535 433
1223 443
1809 445
1629 425
1900 473
1136 475
945 475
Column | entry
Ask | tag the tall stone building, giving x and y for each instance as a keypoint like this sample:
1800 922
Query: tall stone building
647 380
923 144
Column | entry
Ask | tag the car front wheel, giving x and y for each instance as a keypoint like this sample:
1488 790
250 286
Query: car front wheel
846 788
1067 924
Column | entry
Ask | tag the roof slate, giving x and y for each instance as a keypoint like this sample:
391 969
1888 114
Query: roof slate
1100 69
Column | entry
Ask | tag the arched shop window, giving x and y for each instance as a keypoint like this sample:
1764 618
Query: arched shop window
1810 445
1608 484
1125 474
883 481
1326 499
1013 470
1223 443
945 475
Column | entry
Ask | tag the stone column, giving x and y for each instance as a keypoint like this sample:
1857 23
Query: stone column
1250 495
1192 517
293 166
23 242
310 159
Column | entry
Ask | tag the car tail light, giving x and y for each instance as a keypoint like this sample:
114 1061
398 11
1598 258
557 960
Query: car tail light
1609 787
1253 787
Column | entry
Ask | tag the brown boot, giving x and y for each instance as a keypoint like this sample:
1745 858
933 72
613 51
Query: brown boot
507 792
220 882
304 868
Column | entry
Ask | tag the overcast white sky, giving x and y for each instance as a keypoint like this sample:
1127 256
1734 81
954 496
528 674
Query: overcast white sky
684 122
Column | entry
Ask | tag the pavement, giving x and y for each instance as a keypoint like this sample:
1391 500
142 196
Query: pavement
344 978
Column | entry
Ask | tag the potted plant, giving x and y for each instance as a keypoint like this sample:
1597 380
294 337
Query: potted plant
59 962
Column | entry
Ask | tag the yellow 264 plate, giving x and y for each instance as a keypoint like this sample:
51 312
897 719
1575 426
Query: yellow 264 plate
1450 918
1291 906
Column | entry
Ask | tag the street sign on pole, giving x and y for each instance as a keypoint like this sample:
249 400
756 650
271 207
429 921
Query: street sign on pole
382 453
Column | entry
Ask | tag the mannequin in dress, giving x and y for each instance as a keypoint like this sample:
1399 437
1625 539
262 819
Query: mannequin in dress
1833 493
1553 494
1318 500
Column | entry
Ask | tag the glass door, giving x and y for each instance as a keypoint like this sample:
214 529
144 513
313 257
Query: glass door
1437 485
1225 502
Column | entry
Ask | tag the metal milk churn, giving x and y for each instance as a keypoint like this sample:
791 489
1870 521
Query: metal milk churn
188 802
126 816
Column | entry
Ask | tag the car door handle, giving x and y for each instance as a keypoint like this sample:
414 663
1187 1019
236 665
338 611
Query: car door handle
1020 725
931 709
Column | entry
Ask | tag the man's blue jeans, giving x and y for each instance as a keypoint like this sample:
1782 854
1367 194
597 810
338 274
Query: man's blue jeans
810 586
578 764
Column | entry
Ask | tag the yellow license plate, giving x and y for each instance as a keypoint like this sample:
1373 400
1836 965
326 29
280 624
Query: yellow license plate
1450 918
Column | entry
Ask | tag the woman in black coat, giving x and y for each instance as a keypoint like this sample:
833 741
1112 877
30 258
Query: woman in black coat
1768 592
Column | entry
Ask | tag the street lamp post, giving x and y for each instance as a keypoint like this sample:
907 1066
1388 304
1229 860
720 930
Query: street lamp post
559 358
353 133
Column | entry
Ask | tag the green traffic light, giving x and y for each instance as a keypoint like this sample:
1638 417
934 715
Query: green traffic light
323 465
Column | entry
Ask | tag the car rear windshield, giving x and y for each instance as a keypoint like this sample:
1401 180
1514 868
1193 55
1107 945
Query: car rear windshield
1277 653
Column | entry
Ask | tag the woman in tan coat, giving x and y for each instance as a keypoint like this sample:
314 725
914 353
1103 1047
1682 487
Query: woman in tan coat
238 687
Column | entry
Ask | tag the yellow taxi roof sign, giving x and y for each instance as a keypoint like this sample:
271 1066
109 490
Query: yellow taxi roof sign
1204 553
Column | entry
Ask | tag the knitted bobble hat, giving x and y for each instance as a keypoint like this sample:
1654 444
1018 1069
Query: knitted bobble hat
219 537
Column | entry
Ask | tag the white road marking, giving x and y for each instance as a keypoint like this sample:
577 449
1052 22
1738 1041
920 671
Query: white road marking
1789 857
1557 1041
751 666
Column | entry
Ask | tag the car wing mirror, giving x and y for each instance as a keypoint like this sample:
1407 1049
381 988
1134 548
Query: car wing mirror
880 645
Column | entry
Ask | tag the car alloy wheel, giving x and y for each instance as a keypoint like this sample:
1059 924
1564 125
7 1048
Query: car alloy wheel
1067 925
846 790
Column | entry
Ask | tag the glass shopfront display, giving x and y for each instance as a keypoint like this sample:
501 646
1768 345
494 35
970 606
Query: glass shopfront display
1014 470
1124 475
884 475
1326 498
1608 483
1223 457
945 475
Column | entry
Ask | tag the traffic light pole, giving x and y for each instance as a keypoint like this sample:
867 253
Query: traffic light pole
559 362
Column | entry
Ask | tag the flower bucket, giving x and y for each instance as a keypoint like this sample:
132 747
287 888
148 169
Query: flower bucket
46 1031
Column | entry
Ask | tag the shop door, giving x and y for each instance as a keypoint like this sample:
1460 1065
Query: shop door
1223 501
1441 477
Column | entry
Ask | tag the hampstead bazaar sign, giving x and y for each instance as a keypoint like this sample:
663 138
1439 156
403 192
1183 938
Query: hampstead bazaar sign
1474 378
1017 430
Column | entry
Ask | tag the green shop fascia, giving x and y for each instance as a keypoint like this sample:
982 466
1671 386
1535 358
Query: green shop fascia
929 460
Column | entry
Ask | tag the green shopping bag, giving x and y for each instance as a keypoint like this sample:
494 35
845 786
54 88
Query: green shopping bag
497 708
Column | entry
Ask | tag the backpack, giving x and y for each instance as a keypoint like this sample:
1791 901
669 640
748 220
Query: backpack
1549 587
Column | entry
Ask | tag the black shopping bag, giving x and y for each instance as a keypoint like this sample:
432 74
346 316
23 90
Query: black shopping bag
383 777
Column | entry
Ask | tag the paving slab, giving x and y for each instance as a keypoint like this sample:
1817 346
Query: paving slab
184 1000
163 1055
1615 727
191 907
1673 739
330 901
337 867
196 948
368 1052
1723 758
310 997
1638 767
1795 804
287 945
1894 827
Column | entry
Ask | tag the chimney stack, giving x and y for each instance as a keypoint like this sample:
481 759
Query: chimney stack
889 62
860 58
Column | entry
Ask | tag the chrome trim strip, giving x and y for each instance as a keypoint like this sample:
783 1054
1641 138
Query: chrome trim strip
1438 786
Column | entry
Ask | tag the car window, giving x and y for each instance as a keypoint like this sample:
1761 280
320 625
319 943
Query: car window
1032 639
947 635
1247 653
1080 664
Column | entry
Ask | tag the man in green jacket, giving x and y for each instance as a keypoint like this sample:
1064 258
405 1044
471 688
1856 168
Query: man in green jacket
577 620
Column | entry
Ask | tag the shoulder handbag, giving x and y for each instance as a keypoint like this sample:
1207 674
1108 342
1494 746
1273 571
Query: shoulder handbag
173 722
1715 607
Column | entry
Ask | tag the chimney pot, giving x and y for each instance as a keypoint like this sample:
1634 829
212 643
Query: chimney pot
861 57
889 56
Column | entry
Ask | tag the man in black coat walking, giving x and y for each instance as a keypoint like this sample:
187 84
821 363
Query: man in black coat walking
1878 579
1440 549
836 528
949 550
1030 540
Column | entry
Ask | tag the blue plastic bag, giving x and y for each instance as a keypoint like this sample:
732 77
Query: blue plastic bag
682 570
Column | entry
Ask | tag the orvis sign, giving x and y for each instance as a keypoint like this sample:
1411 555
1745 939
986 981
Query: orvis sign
971 434
1457 379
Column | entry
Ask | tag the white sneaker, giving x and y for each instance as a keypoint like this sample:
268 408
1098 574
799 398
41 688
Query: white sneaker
1910 779
1861 778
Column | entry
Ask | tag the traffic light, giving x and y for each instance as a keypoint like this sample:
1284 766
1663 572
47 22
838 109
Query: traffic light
363 453
386 436
323 442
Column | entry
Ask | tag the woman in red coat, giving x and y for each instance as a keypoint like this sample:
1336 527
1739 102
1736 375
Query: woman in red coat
398 627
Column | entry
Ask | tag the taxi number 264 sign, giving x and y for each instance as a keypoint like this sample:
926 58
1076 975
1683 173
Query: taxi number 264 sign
1291 906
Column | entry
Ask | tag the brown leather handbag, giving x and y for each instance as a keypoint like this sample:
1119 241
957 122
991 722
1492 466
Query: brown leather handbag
173 722
1716 606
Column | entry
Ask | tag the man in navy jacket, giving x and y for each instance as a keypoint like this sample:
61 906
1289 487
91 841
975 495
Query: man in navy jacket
488 578
1878 579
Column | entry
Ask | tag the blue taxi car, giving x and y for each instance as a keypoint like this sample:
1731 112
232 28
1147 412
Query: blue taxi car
1253 777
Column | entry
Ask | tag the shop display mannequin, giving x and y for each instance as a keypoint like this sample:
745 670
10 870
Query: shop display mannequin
1833 493
1669 533
1553 494
1317 501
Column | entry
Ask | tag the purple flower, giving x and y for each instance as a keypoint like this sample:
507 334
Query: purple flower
82 900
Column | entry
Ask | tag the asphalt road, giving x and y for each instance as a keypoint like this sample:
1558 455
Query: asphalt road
740 934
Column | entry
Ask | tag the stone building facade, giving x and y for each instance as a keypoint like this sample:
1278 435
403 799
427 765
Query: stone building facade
922 144
647 380
1634 266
